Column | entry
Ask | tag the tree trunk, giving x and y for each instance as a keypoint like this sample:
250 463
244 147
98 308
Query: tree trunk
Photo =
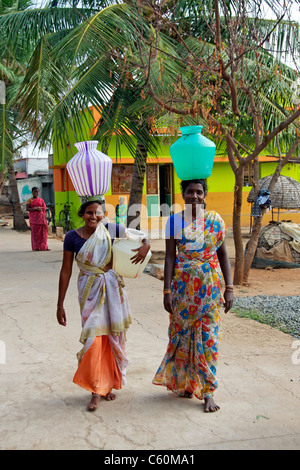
251 248
236 225
2 181
252 244
19 222
257 224
136 192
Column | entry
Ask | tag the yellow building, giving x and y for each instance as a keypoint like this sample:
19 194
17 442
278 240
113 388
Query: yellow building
161 191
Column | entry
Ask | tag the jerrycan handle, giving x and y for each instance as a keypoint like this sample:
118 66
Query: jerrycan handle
136 235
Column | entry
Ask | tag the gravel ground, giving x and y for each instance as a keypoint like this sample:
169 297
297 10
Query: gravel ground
277 311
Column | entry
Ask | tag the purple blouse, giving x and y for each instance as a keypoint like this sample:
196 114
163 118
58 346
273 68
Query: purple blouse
73 242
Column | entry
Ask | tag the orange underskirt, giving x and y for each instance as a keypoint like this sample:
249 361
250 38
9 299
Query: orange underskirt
98 371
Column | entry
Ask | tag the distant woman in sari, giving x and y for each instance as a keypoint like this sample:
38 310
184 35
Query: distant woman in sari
121 212
104 306
38 222
196 258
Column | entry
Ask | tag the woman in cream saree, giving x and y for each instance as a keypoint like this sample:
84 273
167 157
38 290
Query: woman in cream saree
105 311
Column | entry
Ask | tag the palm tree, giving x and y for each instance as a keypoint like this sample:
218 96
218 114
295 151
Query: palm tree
100 67
124 118
85 66
11 132
91 63
18 50
174 52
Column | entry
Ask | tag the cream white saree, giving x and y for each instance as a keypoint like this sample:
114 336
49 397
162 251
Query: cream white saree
103 301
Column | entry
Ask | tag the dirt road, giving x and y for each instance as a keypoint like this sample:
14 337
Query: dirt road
41 408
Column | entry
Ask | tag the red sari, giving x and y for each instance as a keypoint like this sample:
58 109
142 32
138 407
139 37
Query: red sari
38 225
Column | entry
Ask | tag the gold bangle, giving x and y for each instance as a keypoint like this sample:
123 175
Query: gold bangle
167 291
229 285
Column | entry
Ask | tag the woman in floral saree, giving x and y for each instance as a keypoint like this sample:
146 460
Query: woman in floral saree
196 258
104 306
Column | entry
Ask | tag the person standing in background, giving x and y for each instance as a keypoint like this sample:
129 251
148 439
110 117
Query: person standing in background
38 223
121 212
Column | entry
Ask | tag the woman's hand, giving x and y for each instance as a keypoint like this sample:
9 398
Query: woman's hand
61 316
168 303
34 209
141 253
228 300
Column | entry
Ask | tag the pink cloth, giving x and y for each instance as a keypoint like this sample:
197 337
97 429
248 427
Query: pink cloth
37 217
38 225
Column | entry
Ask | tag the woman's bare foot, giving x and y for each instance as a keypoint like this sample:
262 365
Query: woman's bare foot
95 400
210 405
94 403
109 396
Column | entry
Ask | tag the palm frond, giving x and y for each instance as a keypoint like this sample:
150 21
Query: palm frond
8 133
123 118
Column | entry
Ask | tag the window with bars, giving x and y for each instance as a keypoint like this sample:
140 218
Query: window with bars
248 174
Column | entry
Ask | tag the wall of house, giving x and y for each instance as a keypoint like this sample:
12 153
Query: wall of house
65 193
220 187
220 192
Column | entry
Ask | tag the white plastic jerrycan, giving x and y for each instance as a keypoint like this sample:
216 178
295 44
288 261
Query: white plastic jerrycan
122 252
